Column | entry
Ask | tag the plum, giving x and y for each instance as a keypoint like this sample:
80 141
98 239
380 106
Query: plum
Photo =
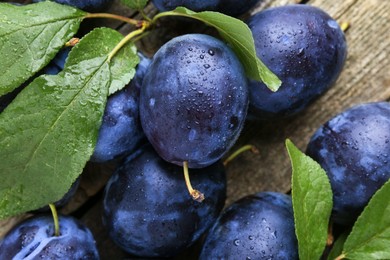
229 7
258 226
34 239
194 100
148 211
354 148
86 5
120 132
305 48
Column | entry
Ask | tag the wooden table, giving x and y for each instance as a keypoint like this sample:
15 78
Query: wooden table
365 78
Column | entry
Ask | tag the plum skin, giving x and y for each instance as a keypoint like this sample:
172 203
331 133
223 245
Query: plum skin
194 100
34 238
120 132
353 148
229 7
258 226
148 211
86 5
305 48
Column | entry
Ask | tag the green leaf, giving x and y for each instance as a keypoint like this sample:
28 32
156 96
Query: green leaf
370 235
312 203
239 36
49 131
337 247
30 36
123 68
135 4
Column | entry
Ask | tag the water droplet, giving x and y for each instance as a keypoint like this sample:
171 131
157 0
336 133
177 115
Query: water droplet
152 101
333 24
211 52
236 242
301 51
206 66
192 135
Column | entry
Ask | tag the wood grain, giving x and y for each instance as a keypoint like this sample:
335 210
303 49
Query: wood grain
365 78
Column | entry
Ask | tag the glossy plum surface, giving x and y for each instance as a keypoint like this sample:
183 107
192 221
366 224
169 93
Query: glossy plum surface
305 48
34 239
259 226
354 149
148 211
86 5
120 132
230 7
194 100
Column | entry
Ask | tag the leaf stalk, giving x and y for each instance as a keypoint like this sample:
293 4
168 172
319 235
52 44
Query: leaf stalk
115 17
126 39
342 256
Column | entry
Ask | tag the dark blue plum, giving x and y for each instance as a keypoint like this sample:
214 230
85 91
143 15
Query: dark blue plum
34 239
194 100
305 48
194 5
234 7
86 5
230 7
57 64
354 149
148 211
259 226
121 132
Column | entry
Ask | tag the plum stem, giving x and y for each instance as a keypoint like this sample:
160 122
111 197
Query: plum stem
115 17
195 194
55 218
239 151
344 26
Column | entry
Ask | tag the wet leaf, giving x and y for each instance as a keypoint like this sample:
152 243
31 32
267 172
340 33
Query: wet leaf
30 36
312 203
48 133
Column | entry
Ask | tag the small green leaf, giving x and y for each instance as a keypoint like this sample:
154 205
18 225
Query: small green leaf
135 4
49 131
312 203
370 235
337 247
30 36
239 36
